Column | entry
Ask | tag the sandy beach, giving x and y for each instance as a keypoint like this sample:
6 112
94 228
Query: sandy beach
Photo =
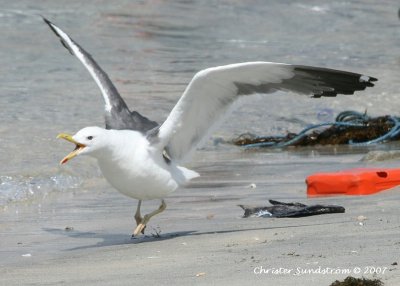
84 238
67 226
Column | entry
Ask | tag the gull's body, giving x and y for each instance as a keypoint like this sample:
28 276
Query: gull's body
129 160
145 162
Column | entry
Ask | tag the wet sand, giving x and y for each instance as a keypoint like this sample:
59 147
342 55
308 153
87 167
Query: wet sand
84 237
151 49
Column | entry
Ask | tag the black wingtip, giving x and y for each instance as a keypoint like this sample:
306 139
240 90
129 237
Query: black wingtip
46 20
368 81
342 82
51 25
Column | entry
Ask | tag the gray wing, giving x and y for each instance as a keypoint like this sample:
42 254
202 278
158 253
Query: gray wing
117 113
212 92
312 80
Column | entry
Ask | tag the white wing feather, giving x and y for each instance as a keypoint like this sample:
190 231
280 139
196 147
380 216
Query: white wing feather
87 63
207 98
213 91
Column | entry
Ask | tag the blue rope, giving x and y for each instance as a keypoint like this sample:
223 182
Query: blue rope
352 116
389 135
346 119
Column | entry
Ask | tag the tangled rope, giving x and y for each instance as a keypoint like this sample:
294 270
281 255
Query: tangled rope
350 127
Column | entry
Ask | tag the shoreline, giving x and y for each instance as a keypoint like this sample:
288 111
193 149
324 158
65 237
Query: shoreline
84 237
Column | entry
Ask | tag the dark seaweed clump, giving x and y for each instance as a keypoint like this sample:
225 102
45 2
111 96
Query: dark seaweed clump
351 281
371 129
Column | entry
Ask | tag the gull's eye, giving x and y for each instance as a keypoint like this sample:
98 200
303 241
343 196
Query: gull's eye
89 137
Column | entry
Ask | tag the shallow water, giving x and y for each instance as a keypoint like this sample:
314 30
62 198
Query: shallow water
151 49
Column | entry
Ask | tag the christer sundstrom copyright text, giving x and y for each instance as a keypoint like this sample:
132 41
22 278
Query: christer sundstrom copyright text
299 271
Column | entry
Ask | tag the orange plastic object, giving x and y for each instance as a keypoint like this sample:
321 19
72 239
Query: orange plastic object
354 182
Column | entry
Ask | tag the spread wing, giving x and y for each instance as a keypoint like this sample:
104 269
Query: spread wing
213 91
117 113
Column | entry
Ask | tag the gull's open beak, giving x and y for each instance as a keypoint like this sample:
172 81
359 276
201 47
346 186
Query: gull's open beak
76 151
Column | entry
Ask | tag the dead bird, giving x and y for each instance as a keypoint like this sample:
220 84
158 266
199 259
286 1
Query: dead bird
280 209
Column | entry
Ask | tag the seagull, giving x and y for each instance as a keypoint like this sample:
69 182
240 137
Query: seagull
144 160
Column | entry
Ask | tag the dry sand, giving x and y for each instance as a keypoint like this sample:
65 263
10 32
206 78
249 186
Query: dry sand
83 238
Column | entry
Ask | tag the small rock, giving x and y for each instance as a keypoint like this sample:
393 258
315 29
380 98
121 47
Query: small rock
200 274
361 218
394 263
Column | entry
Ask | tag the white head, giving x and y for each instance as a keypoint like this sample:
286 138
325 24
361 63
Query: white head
88 140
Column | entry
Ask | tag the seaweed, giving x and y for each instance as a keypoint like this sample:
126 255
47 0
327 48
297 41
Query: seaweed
354 130
351 281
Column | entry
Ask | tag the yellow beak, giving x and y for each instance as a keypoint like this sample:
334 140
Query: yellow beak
75 152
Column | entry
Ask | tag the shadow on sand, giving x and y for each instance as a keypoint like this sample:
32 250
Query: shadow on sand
114 239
